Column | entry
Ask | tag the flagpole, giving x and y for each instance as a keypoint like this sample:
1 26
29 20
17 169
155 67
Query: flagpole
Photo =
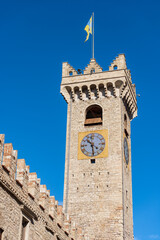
93 37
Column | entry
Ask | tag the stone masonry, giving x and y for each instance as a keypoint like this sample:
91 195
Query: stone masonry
27 211
98 196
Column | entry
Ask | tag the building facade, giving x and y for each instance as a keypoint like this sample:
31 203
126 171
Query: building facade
98 182
27 211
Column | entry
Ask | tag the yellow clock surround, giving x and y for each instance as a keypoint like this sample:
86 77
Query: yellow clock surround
103 154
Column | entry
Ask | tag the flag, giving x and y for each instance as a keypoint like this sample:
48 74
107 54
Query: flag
88 28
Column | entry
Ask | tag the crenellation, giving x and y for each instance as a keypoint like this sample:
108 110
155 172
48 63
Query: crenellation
85 87
119 62
10 159
92 67
67 223
27 170
24 196
2 136
44 198
34 186
68 70
22 173
60 215
52 210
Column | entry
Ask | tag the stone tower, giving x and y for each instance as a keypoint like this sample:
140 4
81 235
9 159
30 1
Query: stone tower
98 182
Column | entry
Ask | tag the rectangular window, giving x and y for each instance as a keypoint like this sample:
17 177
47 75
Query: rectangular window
25 228
93 161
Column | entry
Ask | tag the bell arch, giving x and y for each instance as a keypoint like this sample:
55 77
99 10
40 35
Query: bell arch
93 115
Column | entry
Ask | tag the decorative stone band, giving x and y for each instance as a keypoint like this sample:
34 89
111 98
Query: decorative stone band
97 84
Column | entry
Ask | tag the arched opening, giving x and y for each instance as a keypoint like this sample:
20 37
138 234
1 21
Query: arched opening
77 93
70 73
118 87
85 93
93 91
93 115
110 91
92 70
118 84
115 67
79 71
125 125
101 91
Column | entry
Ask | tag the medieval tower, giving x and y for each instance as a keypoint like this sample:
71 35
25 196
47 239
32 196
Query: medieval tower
98 182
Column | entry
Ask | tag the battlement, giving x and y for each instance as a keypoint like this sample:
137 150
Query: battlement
94 83
33 198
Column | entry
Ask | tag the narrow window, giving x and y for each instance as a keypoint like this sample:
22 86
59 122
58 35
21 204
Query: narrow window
126 193
93 161
24 232
93 115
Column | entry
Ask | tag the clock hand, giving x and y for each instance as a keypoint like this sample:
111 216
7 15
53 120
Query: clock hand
92 145
92 149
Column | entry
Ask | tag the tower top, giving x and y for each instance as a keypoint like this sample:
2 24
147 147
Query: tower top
116 82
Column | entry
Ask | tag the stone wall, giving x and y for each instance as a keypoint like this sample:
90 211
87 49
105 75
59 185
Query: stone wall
27 211
98 196
127 179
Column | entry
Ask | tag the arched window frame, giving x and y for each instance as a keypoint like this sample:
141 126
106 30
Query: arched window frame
90 119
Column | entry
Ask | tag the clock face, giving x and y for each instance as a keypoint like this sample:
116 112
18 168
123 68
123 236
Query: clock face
92 144
126 152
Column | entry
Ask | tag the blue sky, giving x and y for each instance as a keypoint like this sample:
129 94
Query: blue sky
35 38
